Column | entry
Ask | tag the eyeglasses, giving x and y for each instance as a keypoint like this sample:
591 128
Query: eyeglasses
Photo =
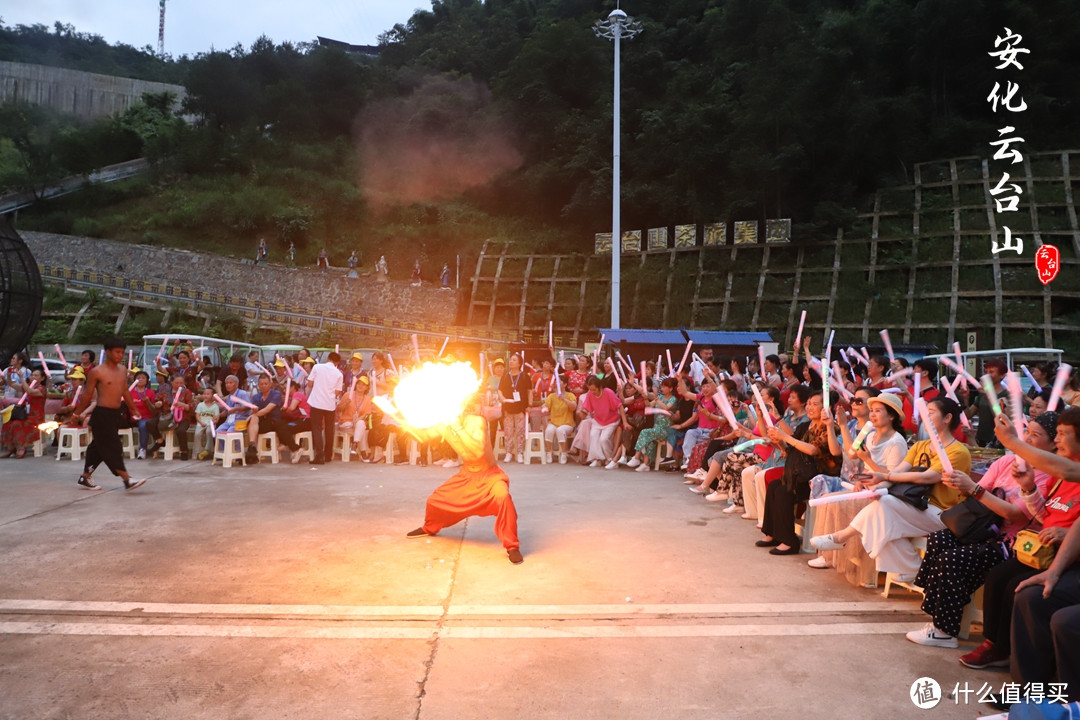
857 401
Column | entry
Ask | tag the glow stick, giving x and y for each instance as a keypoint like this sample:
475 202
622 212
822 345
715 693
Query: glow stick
178 412
392 365
950 392
686 354
939 449
893 391
643 376
960 371
44 367
265 372
618 375
761 364
1030 376
888 345
101 357
840 497
213 429
843 356
866 356
131 387
245 403
1012 380
551 333
164 344
221 402
558 384
840 380
374 385
78 392
483 365
798 335
670 365
721 400
443 348
959 355
131 360
764 409
415 347
26 394
902 373
825 390
288 389
656 411
918 393
853 354
991 394
1059 385
828 346
864 432
746 445
337 348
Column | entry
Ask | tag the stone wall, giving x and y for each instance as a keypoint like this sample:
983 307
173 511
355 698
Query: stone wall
305 289
88 95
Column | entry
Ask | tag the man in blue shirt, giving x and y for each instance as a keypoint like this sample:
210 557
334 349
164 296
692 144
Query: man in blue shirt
267 418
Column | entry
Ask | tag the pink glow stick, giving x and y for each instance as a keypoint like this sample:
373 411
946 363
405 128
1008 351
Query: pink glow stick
221 402
60 353
44 367
939 449
643 385
670 365
656 411
686 354
798 335
888 345
841 497
75 399
844 357
721 400
618 375
131 359
337 348
26 394
950 392
866 356
288 389
392 365
443 348
838 380
415 347
1012 381
131 387
901 373
828 346
761 364
164 344
1059 385
959 355
245 403
764 409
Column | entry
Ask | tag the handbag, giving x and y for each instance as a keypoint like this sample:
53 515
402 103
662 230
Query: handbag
972 522
913 494
19 412
1032 552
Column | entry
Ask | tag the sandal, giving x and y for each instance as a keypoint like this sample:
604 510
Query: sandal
20 453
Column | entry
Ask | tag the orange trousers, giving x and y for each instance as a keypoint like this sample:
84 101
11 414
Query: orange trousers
468 493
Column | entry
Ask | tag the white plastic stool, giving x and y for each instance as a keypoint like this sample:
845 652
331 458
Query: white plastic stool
229 446
414 452
663 449
73 442
306 443
267 447
535 447
500 443
44 440
170 449
342 446
127 442
891 578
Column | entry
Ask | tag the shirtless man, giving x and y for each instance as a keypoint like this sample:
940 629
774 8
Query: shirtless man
108 382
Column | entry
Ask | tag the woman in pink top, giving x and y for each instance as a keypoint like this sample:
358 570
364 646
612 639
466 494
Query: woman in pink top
603 407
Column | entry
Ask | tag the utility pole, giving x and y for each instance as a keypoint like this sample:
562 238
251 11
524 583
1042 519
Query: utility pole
161 30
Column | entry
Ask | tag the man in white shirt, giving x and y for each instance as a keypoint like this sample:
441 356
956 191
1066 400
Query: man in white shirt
324 384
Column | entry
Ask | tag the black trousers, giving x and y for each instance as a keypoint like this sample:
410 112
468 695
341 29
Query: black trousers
999 593
1046 634
779 520
106 447
322 434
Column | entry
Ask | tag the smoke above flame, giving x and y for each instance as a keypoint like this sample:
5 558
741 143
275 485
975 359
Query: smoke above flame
446 137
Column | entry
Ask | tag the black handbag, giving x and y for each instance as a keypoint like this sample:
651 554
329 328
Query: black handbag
913 494
972 522
20 412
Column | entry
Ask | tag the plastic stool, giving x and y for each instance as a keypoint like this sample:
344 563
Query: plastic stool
306 443
170 449
535 447
127 442
71 442
44 441
500 443
342 446
267 447
229 446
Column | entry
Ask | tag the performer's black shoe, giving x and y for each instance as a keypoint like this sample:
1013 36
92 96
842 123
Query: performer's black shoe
87 483
418 532
132 484
515 556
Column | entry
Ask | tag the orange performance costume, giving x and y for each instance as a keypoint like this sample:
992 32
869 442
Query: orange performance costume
480 488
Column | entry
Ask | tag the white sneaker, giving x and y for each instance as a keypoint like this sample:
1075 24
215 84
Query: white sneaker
699 474
451 463
508 458
825 542
634 462
716 497
930 635
562 458
295 457
818 562
440 463
643 467
594 463
732 509
611 465
142 454
520 458
548 459
623 460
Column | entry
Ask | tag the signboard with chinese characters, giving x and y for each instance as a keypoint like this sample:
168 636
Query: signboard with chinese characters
603 243
746 232
631 241
658 238
685 236
778 231
716 234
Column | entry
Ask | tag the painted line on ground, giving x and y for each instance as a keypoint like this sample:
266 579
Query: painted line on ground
457 633
455 611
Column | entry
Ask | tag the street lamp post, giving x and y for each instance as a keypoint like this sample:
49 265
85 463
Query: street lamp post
617 26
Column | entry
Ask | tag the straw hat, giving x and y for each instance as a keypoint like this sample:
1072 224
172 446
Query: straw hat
888 399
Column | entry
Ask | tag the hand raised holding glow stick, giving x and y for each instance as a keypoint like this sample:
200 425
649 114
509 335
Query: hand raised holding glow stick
991 394
670 365
761 364
722 402
60 354
686 354
888 346
764 408
950 392
1016 406
1030 376
221 402
935 440
1059 386
798 335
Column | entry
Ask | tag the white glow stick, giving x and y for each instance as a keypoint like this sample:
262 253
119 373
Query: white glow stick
888 345
443 348
939 449
828 346
415 347
60 353
962 374
764 409
866 356
390 358
374 384
558 384
670 365
959 355
551 333
1012 381
865 431
131 387
337 348
686 354
288 389
101 357
245 403
483 366
761 364
221 402
841 497
991 394
798 335
950 392
843 356
917 393
75 399
1030 376
1059 385
721 400
213 428
840 380
825 388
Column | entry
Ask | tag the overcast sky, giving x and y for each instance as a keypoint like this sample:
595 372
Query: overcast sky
193 26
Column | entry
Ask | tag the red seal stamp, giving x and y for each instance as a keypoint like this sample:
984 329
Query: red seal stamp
1047 263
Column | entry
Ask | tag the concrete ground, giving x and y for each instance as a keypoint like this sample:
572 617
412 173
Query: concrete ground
291 592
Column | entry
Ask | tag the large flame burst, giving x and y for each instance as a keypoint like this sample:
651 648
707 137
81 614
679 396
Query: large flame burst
436 393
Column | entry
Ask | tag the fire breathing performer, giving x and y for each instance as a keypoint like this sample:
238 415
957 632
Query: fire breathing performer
108 382
480 487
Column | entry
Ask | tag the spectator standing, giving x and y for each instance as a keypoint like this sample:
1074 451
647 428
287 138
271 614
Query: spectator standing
323 261
324 384
261 252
